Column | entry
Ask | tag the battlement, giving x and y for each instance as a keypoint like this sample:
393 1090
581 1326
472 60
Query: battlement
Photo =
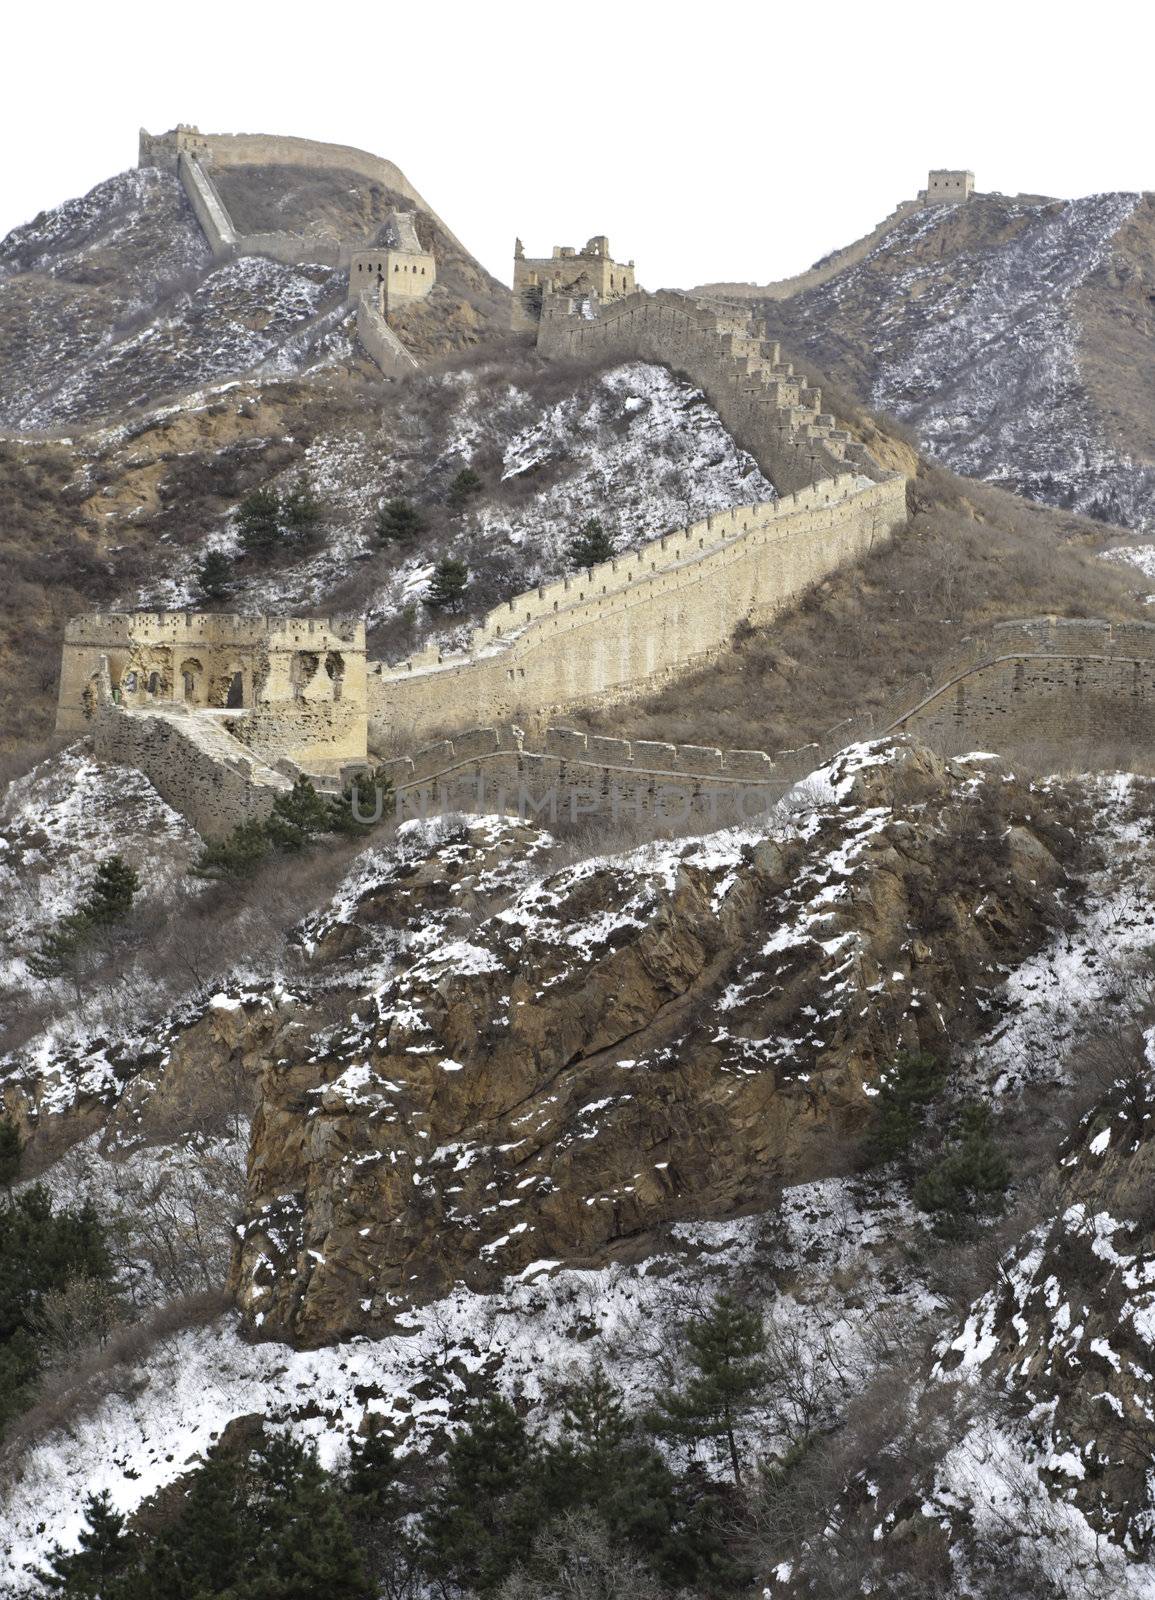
618 629
157 627
773 412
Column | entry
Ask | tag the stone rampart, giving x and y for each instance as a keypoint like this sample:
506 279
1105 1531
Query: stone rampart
208 206
574 774
192 764
822 271
769 408
1044 681
380 342
617 629
277 150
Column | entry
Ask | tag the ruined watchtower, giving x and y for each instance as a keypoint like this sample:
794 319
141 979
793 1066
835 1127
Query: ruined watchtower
282 686
588 271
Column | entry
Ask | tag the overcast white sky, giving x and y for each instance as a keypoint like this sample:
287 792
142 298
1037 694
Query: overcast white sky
725 141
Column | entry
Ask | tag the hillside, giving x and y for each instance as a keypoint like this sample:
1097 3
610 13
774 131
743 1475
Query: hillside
583 1201
1013 335
514 1027
112 302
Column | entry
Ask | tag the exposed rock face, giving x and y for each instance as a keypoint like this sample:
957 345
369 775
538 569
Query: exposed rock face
1068 1334
634 1041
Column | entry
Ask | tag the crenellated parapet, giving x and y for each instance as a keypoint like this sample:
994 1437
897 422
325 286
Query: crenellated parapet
772 411
616 630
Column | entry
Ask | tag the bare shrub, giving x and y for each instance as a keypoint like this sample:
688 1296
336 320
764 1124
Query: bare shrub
70 1392
78 1316
574 1558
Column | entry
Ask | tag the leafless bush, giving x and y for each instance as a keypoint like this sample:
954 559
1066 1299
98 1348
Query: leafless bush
70 1392
78 1316
575 1559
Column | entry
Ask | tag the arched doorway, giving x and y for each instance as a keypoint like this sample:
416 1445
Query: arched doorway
192 674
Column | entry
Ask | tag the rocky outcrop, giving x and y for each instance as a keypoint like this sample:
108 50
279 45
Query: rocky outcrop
1067 1337
634 1041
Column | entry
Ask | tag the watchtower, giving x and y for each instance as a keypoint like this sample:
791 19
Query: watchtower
945 187
397 268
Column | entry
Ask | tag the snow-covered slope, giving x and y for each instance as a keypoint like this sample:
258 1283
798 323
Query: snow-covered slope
851 1290
113 301
635 447
1014 337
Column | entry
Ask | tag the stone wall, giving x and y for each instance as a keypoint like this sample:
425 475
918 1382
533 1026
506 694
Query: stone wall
1045 682
568 775
273 150
618 629
208 206
192 764
380 342
771 410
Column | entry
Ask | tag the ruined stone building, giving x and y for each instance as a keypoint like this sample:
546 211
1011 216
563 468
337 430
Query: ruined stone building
590 271
221 712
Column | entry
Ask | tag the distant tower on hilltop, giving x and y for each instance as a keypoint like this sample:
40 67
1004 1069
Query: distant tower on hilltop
165 149
589 271
944 187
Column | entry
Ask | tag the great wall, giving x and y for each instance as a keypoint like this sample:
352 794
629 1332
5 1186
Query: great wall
222 713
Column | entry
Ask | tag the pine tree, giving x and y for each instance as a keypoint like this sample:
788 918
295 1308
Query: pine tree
108 901
264 1525
377 1511
399 522
966 1183
450 581
464 486
907 1091
297 816
726 1347
371 1473
215 576
487 1508
237 855
600 1463
365 801
259 523
105 1552
590 545
304 1549
11 1152
204 1550
301 513
111 896
58 949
